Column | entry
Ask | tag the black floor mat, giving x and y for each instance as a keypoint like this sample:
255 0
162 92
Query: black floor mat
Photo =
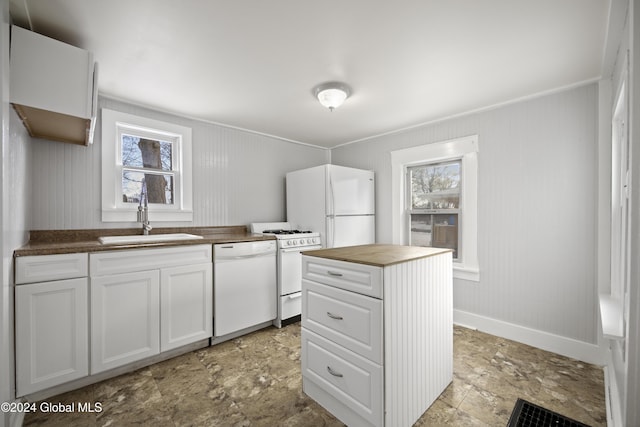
526 414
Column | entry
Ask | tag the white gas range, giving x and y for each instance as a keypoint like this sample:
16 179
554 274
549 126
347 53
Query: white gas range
290 243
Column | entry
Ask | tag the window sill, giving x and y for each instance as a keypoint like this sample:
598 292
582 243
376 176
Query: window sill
466 273
158 216
611 317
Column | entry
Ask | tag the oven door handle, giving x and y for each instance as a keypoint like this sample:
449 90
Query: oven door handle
305 248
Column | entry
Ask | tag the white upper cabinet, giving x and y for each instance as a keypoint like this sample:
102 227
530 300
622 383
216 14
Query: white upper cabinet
53 87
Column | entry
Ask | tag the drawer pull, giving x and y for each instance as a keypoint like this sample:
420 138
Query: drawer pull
333 273
334 373
334 316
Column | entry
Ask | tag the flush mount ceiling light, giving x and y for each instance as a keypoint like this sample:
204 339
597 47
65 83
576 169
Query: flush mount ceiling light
332 94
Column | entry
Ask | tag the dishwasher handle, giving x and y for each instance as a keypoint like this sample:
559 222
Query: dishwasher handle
248 256
243 250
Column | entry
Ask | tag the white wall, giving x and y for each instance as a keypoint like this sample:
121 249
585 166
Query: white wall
537 195
239 176
14 186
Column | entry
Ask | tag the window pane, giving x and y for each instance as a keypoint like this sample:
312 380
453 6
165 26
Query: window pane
131 155
435 186
146 152
159 187
438 231
421 230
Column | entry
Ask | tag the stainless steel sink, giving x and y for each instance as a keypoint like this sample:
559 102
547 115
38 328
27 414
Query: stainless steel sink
148 238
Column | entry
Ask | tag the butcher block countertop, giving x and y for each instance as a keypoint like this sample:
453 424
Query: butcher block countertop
51 242
377 255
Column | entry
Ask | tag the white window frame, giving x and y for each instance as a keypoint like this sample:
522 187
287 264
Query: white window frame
114 123
613 305
466 266
434 211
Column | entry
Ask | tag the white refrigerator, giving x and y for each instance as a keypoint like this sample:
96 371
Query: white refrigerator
336 201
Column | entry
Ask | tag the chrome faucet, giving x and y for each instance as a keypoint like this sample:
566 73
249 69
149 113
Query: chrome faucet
143 212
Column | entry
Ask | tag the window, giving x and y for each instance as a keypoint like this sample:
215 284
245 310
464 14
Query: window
144 157
435 202
614 317
620 172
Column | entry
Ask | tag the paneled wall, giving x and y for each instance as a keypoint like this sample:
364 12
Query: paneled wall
537 194
239 176
15 205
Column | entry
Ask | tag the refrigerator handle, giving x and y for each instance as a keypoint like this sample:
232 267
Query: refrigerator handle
330 231
332 205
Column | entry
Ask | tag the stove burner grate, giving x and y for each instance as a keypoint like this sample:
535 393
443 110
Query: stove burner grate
279 232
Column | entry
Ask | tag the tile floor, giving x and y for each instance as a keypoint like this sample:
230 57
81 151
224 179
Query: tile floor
255 381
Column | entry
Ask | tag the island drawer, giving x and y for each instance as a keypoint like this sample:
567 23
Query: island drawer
361 278
342 377
346 318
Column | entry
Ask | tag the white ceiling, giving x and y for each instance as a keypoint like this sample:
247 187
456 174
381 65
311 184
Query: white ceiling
252 64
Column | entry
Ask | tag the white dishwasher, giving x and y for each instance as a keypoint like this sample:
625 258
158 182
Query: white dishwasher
244 285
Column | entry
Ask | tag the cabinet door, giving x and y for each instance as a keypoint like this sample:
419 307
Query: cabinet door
51 75
186 312
51 334
125 318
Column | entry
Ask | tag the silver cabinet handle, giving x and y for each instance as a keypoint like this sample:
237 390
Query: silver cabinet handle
334 316
333 273
334 373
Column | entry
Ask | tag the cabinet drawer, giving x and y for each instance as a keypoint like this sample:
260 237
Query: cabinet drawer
105 263
43 268
290 305
354 380
360 278
347 318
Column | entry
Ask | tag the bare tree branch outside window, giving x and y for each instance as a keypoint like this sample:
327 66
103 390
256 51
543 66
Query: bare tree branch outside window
151 161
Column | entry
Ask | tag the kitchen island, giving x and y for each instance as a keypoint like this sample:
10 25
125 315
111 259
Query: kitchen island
377 331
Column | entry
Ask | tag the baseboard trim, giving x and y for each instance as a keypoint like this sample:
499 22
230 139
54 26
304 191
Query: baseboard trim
569 347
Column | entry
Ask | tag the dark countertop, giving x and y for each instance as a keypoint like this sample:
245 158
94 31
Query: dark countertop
50 242
377 255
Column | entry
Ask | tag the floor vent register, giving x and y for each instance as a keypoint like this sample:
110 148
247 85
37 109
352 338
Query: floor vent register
526 414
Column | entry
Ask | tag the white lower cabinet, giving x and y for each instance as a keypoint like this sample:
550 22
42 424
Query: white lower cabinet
139 303
125 319
51 334
186 313
147 301
377 341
